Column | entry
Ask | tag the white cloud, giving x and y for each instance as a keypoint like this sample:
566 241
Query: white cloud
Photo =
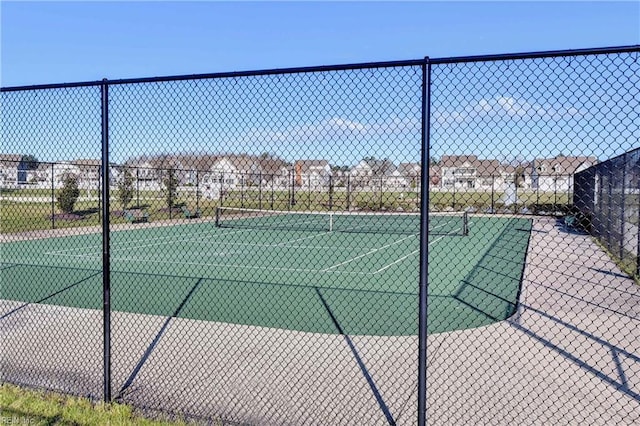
505 107
331 128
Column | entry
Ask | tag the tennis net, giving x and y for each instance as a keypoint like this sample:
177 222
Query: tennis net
453 223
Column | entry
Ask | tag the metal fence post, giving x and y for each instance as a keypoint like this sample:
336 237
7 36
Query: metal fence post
493 204
260 191
424 245
272 190
138 187
330 192
53 199
453 202
242 179
638 244
197 190
348 192
309 190
221 189
292 200
106 272
622 212
609 209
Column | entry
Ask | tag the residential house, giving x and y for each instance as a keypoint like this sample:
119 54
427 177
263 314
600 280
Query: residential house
412 172
515 176
312 174
88 173
13 170
144 173
234 171
371 174
276 172
556 174
468 172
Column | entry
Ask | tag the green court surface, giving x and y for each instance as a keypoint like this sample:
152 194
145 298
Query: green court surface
312 280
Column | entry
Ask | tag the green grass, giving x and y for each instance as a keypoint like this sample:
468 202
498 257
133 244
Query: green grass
21 406
628 264
30 216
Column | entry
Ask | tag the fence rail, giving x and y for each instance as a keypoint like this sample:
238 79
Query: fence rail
443 240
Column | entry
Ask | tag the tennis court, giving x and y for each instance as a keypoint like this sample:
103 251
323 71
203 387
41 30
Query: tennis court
324 274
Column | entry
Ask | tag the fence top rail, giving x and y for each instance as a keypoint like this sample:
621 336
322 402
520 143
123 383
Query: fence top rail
609 161
537 55
232 74
342 67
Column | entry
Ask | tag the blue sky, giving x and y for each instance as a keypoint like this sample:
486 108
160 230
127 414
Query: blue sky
76 41
83 41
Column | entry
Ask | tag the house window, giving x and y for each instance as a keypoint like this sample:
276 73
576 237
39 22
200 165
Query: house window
486 181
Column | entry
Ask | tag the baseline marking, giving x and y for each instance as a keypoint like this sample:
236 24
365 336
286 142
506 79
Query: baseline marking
404 257
367 253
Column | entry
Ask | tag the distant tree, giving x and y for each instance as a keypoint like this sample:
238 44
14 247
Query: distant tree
125 189
170 186
68 194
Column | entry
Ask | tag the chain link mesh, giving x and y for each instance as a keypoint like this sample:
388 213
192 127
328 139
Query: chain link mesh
51 292
547 315
265 242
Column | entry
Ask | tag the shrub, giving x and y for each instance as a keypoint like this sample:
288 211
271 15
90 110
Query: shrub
170 187
68 194
125 190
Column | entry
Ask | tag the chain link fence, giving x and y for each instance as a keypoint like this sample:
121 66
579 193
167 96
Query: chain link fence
275 254
608 206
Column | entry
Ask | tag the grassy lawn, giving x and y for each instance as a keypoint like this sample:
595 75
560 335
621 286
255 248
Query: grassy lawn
19 213
20 406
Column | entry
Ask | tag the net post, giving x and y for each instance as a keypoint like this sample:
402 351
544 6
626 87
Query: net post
465 223
218 216
330 222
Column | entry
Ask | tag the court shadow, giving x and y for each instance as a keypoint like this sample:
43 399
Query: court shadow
492 288
53 286
611 273
622 383
363 368
147 353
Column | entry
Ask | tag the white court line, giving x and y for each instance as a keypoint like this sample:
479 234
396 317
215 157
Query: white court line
326 270
226 265
127 247
99 246
341 247
301 239
404 257
367 253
